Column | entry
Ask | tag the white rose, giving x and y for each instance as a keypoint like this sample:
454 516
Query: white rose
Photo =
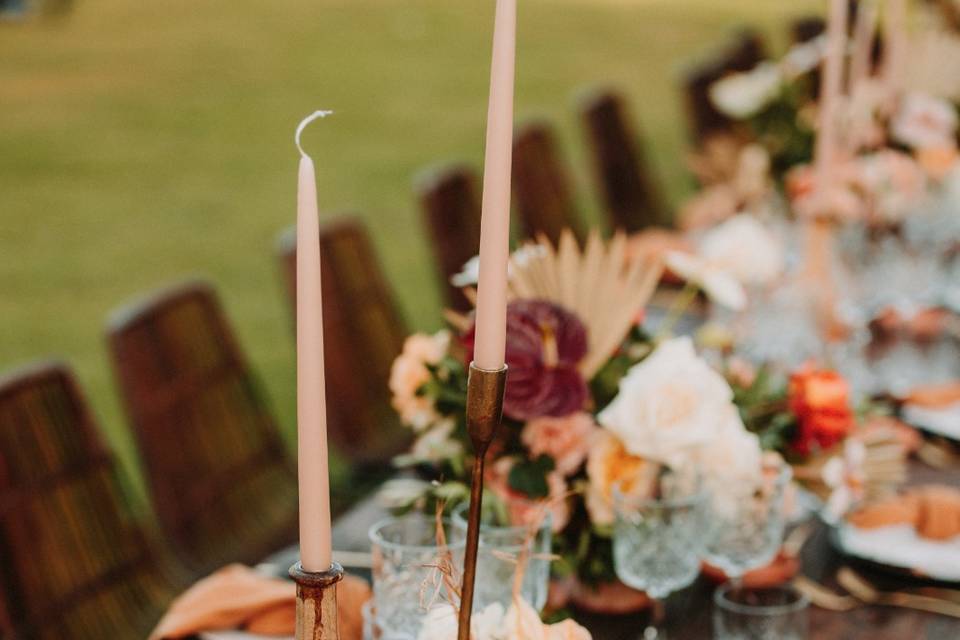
733 452
743 247
742 95
923 121
668 405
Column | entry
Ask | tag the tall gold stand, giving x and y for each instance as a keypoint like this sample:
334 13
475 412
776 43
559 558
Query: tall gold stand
484 411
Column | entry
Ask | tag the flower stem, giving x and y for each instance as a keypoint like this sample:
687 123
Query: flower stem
677 308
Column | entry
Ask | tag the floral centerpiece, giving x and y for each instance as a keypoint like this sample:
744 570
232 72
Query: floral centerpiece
895 141
593 402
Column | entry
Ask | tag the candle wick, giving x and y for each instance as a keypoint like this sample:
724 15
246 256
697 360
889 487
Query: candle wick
303 125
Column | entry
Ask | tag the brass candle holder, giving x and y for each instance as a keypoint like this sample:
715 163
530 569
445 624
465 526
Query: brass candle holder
317 602
484 411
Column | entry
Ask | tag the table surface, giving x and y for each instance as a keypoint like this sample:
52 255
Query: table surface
689 612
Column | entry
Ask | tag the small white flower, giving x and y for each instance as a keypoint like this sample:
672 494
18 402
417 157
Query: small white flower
437 444
845 476
470 272
804 57
742 95
924 121
519 622
720 285
400 493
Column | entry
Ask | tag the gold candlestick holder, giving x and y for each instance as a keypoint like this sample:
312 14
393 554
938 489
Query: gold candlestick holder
317 602
484 411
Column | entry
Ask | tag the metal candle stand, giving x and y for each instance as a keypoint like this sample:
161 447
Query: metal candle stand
317 602
484 410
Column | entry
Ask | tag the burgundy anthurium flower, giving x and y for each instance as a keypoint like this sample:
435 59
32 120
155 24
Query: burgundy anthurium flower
545 343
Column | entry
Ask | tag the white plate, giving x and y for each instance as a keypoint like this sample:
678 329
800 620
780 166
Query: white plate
900 547
942 422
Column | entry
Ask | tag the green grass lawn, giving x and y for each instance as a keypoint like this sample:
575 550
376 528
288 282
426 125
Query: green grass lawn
142 142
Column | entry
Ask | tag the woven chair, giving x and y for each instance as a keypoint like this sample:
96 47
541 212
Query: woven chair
75 564
744 51
806 28
541 185
217 470
450 201
630 192
363 332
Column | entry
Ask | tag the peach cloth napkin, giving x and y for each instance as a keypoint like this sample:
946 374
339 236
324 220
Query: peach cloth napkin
935 396
237 597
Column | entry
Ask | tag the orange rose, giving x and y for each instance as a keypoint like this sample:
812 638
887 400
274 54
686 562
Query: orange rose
820 399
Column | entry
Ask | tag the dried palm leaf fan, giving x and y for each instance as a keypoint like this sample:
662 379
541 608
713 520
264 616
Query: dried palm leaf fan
606 285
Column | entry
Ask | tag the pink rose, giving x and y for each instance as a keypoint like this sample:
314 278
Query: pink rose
566 440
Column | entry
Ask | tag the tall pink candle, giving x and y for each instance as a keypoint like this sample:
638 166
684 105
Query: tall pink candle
861 52
495 224
831 84
895 44
312 463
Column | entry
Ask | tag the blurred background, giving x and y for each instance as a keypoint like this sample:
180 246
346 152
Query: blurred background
141 143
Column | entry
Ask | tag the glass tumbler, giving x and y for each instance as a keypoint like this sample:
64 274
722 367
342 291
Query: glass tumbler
408 572
776 613
503 546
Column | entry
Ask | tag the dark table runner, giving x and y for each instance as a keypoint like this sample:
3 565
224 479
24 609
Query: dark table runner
689 612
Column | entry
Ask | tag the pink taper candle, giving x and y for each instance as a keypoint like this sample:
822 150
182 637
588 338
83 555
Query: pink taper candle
895 45
831 84
495 222
312 463
864 32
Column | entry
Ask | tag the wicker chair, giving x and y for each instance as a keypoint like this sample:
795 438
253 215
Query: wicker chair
75 562
363 333
451 209
630 192
220 479
541 184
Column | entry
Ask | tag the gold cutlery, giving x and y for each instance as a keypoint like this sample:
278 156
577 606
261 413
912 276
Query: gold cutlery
869 594
823 597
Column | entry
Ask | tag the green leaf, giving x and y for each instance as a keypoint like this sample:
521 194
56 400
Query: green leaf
529 477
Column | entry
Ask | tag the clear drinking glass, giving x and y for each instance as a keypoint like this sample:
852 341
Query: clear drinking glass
656 541
745 521
406 578
502 546
776 613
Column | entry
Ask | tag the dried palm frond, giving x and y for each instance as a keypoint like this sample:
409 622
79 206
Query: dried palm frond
603 284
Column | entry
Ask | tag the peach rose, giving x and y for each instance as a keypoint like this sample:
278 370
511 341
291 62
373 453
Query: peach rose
938 161
409 373
610 465
565 439
522 509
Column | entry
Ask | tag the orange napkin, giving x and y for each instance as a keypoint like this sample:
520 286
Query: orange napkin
933 510
935 396
237 597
